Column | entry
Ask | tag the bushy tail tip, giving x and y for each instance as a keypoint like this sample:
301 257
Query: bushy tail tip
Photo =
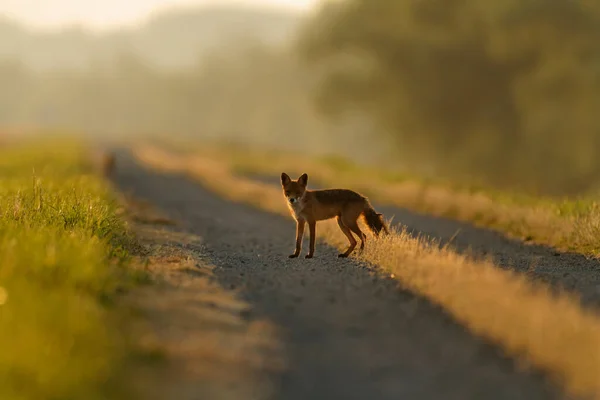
375 221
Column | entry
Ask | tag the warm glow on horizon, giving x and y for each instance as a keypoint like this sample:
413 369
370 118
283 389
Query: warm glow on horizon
110 13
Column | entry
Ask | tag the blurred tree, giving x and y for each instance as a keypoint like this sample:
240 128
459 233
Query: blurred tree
245 91
505 91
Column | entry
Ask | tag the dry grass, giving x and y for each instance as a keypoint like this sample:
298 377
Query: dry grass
550 331
569 225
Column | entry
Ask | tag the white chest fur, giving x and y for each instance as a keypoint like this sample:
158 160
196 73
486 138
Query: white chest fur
296 209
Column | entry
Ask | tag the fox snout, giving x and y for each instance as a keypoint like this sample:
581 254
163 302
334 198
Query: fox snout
294 190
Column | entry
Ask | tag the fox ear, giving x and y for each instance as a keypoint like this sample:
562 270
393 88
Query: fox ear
303 179
285 179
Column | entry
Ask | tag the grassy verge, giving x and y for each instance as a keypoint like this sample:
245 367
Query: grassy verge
64 253
566 224
550 331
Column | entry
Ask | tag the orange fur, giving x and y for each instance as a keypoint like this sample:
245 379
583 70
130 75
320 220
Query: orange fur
310 206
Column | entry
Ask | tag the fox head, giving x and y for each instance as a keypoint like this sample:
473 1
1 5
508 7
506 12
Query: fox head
293 190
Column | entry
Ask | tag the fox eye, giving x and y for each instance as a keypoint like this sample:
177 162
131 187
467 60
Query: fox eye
287 193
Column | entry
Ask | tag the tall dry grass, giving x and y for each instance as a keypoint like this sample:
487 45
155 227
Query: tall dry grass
550 331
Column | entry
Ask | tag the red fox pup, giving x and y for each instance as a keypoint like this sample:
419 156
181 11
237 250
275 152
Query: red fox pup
318 205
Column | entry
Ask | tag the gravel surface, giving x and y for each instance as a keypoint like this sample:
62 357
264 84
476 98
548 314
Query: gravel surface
347 332
573 272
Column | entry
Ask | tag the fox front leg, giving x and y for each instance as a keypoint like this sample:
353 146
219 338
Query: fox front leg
312 228
299 235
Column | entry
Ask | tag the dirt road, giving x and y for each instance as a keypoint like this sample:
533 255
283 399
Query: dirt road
565 271
346 332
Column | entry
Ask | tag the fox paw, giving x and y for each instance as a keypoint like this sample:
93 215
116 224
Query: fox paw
293 255
343 255
308 256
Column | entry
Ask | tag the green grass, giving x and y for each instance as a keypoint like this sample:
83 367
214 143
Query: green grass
64 257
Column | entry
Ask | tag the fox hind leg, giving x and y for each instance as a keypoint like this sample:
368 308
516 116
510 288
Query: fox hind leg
348 234
363 238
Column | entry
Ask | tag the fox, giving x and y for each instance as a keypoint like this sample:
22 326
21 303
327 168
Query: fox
346 206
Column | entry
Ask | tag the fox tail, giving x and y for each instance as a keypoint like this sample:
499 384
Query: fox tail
374 220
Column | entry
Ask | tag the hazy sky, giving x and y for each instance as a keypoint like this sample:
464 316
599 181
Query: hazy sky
100 14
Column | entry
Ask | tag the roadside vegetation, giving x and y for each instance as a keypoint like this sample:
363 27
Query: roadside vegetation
565 223
65 256
494 303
